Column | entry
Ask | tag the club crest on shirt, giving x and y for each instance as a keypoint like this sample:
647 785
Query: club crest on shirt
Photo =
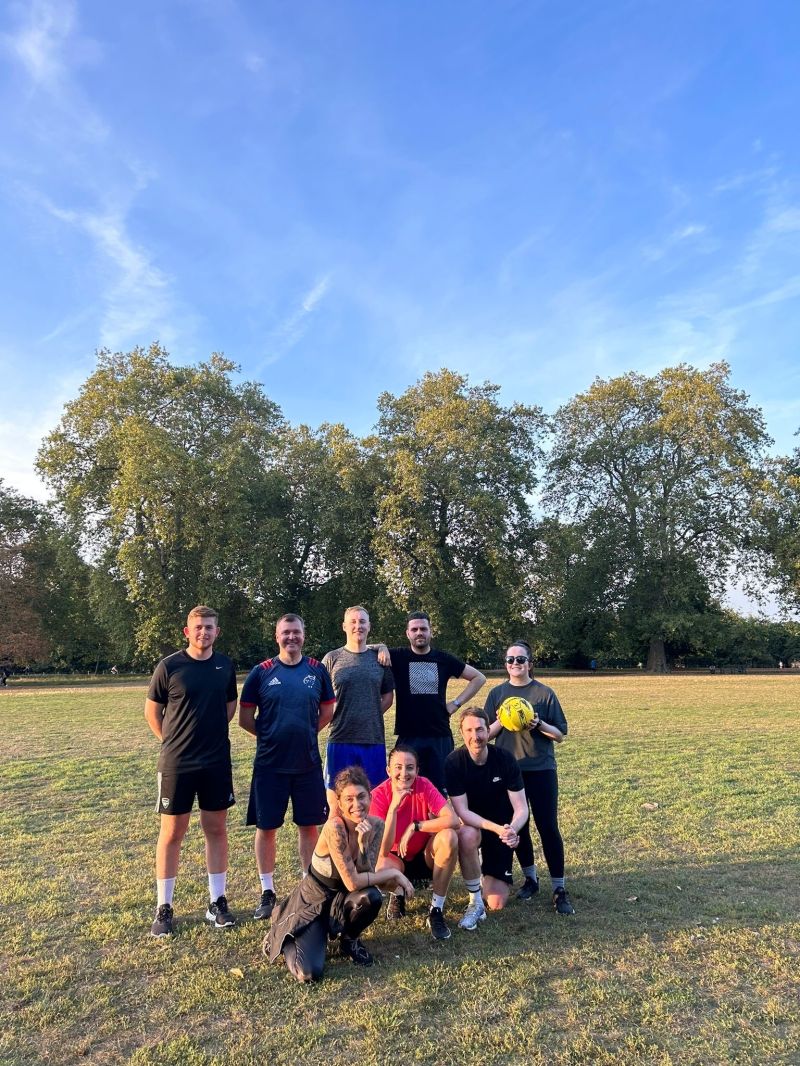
164 802
309 680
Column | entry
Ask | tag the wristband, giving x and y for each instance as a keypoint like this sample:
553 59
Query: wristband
416 827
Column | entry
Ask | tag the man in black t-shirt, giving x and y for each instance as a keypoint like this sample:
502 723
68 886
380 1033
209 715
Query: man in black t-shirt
421 673
488 795
190 701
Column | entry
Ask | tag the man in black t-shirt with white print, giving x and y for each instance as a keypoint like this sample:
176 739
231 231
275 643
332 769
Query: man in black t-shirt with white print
421 673
190 701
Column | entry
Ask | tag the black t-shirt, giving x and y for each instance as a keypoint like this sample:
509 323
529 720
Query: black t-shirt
420 690
486 787
195 693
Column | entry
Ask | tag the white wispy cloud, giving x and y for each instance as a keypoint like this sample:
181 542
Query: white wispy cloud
292 328
41 40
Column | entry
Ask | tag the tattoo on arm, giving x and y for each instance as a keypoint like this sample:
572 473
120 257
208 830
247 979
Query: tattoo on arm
340 852
374 844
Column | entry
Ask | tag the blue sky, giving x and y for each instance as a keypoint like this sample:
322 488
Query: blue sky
343 195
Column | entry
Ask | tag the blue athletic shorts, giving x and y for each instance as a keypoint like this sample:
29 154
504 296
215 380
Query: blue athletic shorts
270 794
371 757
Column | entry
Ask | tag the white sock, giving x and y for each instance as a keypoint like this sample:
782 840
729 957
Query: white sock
437 901
216 885
267 881
165 887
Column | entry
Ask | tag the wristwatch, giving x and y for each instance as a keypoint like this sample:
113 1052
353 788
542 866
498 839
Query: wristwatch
416 827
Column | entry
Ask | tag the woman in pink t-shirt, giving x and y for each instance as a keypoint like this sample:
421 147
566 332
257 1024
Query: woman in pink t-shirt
419 837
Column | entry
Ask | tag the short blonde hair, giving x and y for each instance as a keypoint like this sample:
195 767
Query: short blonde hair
358 607
201 611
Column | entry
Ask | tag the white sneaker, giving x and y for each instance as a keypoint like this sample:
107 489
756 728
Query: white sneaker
475 912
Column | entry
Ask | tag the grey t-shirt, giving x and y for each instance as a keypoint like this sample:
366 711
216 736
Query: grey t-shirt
532 749
359 681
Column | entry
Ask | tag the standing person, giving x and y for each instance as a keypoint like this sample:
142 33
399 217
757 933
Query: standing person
190 701
341 895
486 790
533 750
421 673
364 692
294 699
419 838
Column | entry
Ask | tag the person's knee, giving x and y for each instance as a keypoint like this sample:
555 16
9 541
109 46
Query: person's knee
445 846
469 838
172 830
496 903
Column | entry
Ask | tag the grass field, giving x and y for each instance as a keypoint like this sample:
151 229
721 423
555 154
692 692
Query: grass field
679 801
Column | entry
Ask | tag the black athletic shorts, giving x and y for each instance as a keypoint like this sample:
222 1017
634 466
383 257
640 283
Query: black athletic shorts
212 787
415 868
496 857
270 794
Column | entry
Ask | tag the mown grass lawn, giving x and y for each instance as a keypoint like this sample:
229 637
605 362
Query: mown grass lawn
679 800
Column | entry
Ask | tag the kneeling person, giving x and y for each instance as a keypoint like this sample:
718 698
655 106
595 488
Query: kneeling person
341 896
419 837
488 794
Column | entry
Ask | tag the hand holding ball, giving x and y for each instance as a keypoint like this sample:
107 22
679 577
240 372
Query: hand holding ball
515 714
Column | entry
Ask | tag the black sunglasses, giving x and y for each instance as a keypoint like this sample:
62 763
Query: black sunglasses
518 659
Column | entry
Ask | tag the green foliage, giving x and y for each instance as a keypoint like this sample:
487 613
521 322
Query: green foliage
169 472
661 474
455 523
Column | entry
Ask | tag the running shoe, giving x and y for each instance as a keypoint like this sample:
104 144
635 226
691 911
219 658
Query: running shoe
475 912
162 926
437 925
355 951
561 902
264 909
219 915
395 908
529 888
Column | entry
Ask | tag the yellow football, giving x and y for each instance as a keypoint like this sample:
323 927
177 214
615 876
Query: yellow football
515 714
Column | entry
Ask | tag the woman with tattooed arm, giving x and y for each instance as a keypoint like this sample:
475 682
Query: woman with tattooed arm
341 895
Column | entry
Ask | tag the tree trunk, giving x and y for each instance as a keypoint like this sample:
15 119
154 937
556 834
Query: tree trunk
657 656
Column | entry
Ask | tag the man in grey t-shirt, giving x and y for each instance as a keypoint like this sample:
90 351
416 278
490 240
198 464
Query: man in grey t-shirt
364 692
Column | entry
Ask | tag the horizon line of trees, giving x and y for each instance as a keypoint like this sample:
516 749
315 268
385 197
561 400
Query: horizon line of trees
607 530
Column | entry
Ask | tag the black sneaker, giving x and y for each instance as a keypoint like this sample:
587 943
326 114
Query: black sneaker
395 908
219 915
162 926
561 902
355 951
437 925
264 909
528 889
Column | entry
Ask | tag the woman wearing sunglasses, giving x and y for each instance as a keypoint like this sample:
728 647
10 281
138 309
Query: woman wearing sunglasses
533 750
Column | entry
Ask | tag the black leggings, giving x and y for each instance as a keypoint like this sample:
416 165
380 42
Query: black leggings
305 953
541 789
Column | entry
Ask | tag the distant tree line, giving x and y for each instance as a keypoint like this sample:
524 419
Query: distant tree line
607 530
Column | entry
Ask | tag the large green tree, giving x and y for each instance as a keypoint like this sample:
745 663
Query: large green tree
454 519
169 471
779 533
661 472
44 590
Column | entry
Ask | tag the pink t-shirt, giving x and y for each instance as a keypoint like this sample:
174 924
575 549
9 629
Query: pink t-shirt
424 802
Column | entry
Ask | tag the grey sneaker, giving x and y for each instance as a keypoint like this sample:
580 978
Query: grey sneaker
264 909
219 915
395 908
529 888
162 926
475 912
437 925
561 902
